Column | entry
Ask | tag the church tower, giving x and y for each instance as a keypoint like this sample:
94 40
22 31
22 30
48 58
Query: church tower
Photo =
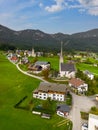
61 57
61 54
33 53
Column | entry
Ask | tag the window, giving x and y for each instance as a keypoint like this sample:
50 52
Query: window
60 99
53 94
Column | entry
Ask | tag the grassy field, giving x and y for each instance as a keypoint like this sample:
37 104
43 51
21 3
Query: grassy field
13 87
89 67
53 60
82 66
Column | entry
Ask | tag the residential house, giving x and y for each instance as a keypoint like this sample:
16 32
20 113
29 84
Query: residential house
24 60
78 85
63 110
50 90
38 54
93 122
43 64
35 68
89 74
14 59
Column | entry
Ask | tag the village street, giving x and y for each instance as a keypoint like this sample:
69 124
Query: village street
80 103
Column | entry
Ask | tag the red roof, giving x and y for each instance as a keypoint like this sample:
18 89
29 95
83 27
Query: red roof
14 58
76 82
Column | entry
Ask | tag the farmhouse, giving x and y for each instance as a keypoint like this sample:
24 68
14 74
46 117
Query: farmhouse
43 64
78 84
63 110
35 68
51 90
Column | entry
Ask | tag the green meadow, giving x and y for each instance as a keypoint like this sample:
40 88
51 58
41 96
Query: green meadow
53 60
13 87
83 66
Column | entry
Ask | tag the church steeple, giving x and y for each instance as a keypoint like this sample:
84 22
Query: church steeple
61 55
33 53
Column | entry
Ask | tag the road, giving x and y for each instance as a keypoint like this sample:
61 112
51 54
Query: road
80 103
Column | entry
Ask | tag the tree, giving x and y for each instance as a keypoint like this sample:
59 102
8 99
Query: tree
45 73
35 59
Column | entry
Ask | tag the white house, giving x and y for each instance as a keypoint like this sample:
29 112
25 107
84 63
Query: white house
78 85
51 90
93 122
89 74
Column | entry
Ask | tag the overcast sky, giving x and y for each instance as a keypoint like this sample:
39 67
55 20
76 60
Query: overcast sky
50 16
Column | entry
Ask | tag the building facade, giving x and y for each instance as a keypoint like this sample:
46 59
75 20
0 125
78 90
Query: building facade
50 90
78 85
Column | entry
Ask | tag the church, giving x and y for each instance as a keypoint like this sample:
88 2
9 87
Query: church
66 69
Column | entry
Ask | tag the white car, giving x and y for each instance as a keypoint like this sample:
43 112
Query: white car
84 126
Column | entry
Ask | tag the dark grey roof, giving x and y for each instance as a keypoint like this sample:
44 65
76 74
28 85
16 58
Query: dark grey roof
42 63
52 87
87 72
67 67
63 108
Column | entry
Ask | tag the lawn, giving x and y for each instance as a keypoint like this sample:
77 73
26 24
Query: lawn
53 60
13 87
83 66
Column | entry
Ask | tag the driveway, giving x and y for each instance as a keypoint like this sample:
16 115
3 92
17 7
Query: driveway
80 103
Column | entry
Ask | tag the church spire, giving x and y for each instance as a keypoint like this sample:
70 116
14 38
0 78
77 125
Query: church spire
61 55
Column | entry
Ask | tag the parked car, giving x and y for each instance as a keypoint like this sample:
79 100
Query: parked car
84 126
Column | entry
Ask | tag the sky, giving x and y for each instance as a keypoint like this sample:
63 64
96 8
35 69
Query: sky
50 16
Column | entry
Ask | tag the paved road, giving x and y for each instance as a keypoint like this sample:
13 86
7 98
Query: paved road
80 103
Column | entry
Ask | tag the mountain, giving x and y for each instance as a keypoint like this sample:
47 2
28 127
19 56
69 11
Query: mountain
26 39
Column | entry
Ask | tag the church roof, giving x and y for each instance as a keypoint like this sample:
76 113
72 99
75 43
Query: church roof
67 67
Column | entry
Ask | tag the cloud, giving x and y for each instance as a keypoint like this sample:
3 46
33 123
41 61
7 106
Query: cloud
93 11
91 6
85 6
58 6
89 2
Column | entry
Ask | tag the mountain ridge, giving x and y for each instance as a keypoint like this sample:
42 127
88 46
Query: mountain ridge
28 38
